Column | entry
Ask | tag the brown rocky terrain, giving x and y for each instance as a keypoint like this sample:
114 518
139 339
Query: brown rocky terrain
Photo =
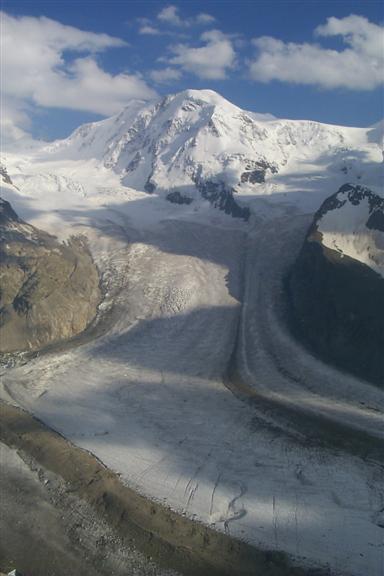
49 291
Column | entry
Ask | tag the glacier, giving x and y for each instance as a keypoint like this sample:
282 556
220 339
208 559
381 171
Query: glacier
191 387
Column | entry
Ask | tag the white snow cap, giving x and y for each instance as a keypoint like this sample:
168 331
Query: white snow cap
197 135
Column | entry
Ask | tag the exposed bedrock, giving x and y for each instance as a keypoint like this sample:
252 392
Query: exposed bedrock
177 198
221 196
49 291
336 301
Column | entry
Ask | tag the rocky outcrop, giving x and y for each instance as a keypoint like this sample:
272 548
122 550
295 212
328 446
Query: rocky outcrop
4 175
255 172
48 291
177 198
221 196
336 286
149 186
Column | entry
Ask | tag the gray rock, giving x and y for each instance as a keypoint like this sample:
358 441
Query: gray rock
177 198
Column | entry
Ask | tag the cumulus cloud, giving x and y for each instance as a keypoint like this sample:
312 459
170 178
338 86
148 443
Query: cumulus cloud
165 75
359 66
14 121
210 61
49 64
171 15
204 18
149 30
363 36
87 87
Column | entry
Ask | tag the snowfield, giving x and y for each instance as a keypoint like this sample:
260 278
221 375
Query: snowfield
176 389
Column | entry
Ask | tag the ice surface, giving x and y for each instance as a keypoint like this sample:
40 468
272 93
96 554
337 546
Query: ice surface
148 395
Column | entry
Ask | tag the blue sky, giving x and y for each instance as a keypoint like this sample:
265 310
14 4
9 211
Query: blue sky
294 59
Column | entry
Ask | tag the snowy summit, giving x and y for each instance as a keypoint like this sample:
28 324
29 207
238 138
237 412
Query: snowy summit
196 143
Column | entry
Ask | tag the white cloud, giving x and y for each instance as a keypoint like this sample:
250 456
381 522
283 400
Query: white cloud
14 122
204 18
210 61
170 15
53 65
149 30
359 66
154 28
363 36
165 75
87 87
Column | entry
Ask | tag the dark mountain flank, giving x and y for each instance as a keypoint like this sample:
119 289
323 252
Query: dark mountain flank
336 299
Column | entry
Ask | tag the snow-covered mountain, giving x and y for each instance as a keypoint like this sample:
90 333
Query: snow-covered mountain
351 223
191 296
196 143
197 150
336 285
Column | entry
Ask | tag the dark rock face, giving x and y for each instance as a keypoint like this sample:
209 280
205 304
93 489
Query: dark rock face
253 177
376 220
7 214
338 311
48 291
220 196
177 198
336 304
149 186
4 175
255 172
134 163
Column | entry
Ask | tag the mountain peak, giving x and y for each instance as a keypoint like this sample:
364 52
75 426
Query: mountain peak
206 95
195 140
351 223
192 100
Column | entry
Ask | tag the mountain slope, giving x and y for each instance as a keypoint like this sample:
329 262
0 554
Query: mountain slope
49 291
336 285
197 143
